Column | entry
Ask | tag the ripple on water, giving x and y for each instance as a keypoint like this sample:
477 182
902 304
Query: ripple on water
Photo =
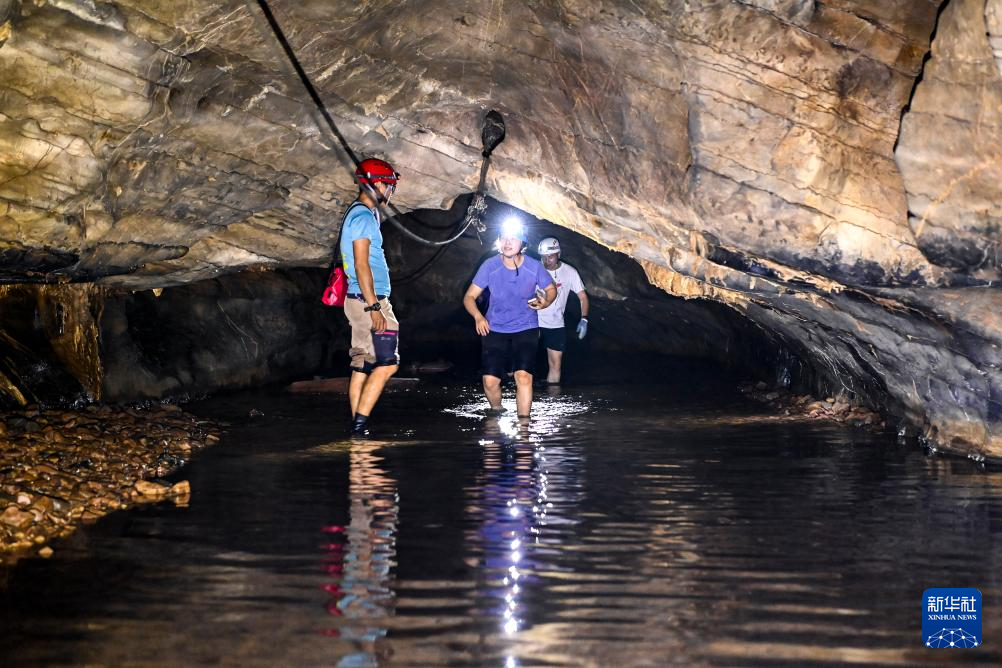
616 527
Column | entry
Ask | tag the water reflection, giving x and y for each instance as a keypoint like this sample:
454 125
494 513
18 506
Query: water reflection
680 533
512 505
360 557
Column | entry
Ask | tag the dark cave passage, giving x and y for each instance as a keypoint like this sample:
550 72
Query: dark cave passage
66 344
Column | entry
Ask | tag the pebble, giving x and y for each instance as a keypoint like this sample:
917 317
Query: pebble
59 468
839 409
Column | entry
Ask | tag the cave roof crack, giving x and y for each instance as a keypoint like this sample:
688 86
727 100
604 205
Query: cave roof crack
878 24
224 242
165 149
807 207
49 136
944 113
262 220
990 161
876 213
807 96
533 56
69 54
75 112
37 166
904 39
721 96
175 50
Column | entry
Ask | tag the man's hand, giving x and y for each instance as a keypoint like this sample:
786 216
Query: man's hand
378 322
483 328
582 327
548 297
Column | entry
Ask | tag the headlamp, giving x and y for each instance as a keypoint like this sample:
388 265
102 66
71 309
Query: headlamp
512 228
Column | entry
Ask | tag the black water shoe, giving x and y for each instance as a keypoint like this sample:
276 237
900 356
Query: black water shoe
359 428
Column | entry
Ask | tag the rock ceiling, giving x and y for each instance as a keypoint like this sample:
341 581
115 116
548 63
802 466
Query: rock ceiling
827 167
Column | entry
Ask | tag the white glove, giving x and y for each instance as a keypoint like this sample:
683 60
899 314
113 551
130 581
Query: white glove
582 327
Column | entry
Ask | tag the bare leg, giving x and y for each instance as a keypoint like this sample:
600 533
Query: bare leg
492 390
373 388
523 392
554 357
355 385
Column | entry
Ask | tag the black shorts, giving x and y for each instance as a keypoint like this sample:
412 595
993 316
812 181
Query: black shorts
502 353
553 339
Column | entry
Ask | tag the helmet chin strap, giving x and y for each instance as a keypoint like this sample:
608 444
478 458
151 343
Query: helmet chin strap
375 194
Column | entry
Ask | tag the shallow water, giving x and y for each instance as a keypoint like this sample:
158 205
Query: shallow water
668 523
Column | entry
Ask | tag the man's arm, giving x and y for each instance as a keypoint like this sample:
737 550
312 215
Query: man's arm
550 294
583 298
470 304
363 274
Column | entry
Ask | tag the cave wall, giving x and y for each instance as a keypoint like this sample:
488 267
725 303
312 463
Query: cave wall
81 343
825 168
155 143
951 144
238 331
48 344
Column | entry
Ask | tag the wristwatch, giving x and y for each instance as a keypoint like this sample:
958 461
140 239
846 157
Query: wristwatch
374 307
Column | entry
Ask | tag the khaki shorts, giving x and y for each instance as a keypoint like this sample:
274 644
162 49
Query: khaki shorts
368 349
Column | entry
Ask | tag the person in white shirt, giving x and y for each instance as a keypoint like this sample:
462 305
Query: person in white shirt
551 318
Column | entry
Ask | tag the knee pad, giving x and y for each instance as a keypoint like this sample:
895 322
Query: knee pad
385 346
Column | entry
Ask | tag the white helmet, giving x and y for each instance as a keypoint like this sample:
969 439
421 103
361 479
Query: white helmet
548 246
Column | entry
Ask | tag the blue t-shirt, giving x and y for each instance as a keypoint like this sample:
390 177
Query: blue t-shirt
361 222
511 291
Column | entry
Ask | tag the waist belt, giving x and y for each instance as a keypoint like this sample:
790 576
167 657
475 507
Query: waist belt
353 295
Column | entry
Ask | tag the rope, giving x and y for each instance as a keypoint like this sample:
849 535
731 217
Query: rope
303 77
472 214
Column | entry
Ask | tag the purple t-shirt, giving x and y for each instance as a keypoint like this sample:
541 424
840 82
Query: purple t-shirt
511 291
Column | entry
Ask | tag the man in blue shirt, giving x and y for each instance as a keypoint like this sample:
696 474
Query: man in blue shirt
519 287
374 328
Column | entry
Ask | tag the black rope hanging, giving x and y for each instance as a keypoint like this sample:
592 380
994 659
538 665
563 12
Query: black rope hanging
492 134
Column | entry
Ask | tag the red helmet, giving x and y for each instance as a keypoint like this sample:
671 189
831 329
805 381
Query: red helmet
373 170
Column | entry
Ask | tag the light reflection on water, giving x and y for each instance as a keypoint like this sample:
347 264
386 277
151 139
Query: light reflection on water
360 558
618 526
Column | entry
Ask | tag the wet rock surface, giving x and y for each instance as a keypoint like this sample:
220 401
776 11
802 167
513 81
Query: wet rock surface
951 144
61 468
155 143
838 408
827 169
64 344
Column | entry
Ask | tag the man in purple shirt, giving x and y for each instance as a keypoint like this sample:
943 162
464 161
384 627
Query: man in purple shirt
519 287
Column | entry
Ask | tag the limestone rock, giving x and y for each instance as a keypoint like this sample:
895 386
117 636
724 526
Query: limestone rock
151 490
781 157
769 123
16 518
950 150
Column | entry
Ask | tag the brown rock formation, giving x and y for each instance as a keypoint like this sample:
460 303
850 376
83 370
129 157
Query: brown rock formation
747 151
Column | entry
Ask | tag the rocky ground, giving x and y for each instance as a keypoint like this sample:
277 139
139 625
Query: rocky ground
60 468
839 409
